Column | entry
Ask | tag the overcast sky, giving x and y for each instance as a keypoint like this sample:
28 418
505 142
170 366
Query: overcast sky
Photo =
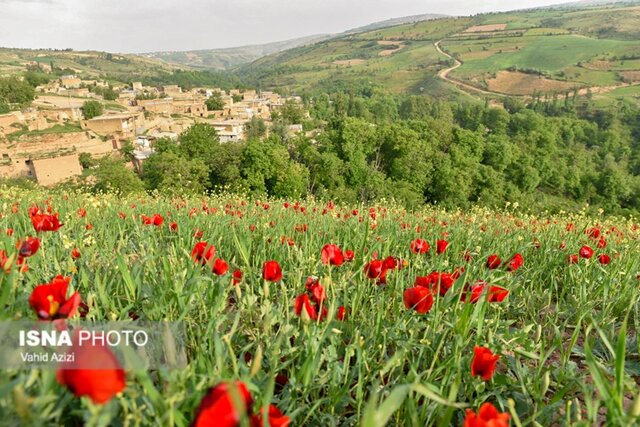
130 26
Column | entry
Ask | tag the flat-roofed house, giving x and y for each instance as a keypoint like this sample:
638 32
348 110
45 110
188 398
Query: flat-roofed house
113 123
70 82
57 169
159 106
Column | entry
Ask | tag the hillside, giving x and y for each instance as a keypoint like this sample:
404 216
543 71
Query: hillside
395 21
222 59
590 50
89 64
229 58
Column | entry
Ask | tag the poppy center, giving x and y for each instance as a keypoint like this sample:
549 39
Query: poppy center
53 305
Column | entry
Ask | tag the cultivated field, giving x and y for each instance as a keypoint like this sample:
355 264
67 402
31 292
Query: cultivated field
334 315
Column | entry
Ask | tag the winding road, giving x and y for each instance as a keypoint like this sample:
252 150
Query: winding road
444 74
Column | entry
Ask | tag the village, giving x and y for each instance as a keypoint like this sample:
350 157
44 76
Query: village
45 142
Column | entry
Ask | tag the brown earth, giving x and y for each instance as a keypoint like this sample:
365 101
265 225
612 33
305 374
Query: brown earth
486 28
349 62
516 83
630 76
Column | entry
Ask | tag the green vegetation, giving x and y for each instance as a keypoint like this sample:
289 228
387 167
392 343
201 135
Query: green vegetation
563 334
15 93
91 109
215 102
570 48
557 154
65 128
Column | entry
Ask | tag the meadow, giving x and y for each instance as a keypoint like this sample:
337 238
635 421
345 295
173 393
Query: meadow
333 315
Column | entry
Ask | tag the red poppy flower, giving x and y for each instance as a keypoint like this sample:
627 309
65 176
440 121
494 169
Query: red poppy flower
332 254
75 253
419 246
203 253
483 363
275 418
593 232
173 226
496 293
94 372
82 213
224 405
271 271
441 246
45 222
28 247
572 259
303 302
88 226
393 263
315 289
418 298
348 255
220 267
602 243
515 263
493 262
50 300
437 282
341 313
237 277
586 252
604 259
488 416
376 270
155 219
122 215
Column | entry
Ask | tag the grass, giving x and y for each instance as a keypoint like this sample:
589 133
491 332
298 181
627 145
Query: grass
560 42
56 129
566 333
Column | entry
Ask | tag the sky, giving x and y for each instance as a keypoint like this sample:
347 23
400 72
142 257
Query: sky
137 26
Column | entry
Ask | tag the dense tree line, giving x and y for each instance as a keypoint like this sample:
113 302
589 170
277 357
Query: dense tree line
418 150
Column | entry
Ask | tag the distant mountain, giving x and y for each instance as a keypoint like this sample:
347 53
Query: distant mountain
228 58
224 59
395 21
589 3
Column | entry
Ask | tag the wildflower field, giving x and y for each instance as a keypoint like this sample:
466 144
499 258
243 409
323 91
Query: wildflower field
314 314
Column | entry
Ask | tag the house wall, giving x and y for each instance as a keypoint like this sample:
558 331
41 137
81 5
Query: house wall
57 169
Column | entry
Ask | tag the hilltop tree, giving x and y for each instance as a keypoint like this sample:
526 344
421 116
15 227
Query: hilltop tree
91 109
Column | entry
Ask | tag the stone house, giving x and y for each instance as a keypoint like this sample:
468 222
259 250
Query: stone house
70 82
115 123
57 169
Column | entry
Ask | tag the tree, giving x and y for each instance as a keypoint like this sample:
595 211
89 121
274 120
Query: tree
112 175
171 173
86 160
215 102
91 109
292 112
14 91
255 128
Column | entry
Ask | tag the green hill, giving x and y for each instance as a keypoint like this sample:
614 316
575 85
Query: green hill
88 64
540 51
223 59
